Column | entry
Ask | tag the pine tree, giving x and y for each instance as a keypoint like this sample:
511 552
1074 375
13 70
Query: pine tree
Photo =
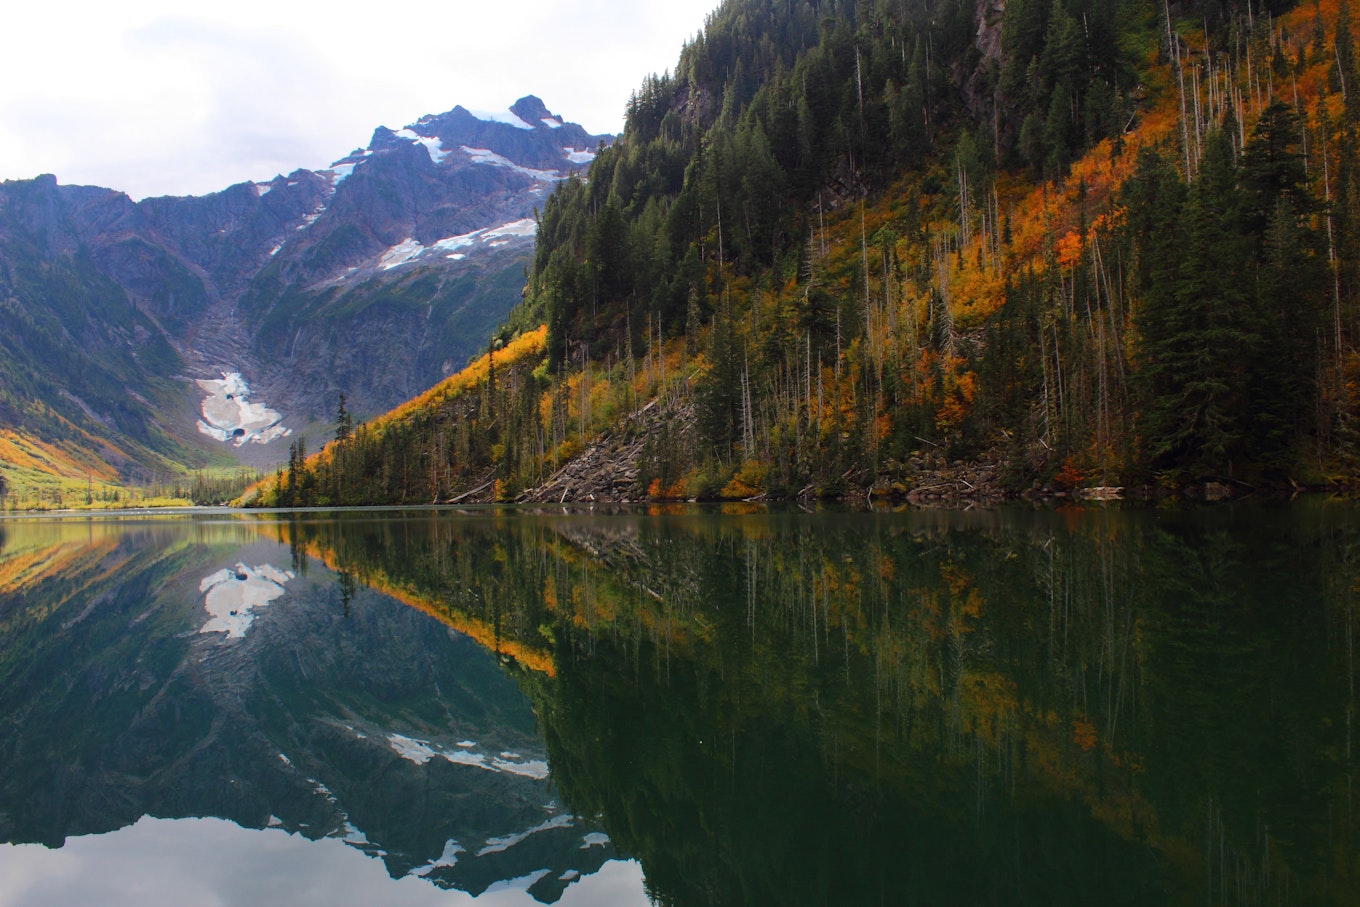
1196 321
1272 170
297 469
344 423
718 391
1291 282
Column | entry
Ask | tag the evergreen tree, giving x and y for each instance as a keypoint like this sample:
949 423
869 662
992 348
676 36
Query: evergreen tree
297 469
344 423
1273 171
1291 281
719 391
1210 430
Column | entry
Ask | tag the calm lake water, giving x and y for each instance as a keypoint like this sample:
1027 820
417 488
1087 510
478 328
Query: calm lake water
682 707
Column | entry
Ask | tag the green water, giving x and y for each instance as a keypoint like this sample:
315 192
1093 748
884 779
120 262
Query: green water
1086 706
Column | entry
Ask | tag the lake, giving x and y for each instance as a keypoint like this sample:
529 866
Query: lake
682 706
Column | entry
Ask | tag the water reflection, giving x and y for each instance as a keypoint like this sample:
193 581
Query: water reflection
1084 706
231 596
212 861
141 674
1072 707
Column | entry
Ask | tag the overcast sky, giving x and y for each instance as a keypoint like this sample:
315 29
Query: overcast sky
155 97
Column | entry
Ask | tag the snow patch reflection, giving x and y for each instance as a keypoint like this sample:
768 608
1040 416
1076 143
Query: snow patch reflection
447 859
421 752
232 595
496 845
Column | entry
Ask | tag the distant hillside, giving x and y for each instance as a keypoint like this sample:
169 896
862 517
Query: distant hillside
944 253
373 278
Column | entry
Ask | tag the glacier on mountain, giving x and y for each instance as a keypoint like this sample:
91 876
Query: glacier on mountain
232 419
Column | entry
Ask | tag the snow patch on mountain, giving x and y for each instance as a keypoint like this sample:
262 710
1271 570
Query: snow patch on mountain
453 243
311 218
410 749
432 145
578 157
401 253
492 237
500 116
340 172
491 158
232 419
233 594
526 227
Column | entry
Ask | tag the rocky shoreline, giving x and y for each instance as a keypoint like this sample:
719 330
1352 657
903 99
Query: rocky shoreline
607 470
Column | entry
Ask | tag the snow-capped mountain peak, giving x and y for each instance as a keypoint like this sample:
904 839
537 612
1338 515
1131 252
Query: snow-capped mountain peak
296 285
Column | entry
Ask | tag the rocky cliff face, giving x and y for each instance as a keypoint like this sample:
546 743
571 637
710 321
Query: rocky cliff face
374 277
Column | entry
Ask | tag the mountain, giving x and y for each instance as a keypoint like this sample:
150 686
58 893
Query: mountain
374 278
944 251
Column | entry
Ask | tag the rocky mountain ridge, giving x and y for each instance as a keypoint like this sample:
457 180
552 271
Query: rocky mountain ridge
373 278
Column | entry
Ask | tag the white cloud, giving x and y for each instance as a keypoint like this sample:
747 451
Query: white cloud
146 97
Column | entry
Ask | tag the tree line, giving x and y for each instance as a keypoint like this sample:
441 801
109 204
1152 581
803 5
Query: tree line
477 432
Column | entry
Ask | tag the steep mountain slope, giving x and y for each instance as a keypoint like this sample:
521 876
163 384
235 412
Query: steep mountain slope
963 250
83 368
399 278
373 278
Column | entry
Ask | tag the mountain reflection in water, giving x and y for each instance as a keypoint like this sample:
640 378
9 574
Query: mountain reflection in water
1072 707
213 861
141 675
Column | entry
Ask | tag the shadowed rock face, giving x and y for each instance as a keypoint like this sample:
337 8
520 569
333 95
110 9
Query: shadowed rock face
374 277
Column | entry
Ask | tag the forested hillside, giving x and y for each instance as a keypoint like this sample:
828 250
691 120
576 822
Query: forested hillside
856 247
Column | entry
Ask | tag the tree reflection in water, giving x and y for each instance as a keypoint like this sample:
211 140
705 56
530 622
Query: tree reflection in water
1015 707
